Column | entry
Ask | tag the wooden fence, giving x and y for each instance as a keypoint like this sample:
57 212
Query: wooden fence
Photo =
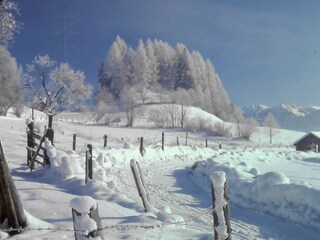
34 146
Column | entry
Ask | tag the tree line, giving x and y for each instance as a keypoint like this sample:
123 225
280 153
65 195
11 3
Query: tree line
157 72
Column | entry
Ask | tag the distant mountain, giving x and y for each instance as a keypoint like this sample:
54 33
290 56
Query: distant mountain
289 116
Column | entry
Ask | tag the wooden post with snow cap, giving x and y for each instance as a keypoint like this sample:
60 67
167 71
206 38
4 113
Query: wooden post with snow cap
74 142
88 172
221 213
162 142
141 147
140 184
86 219
105 141
186 138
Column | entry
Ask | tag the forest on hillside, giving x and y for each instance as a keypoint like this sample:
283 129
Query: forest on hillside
158 72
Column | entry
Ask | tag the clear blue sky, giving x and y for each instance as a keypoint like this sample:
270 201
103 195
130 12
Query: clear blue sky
265 51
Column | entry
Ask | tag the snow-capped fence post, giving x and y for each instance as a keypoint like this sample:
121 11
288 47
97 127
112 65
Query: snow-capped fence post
135 168
10 203
221 213
186 138
74 142
105 141
141 147
88 171
86 219
162 142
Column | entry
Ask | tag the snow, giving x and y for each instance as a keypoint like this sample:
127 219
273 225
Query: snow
274 190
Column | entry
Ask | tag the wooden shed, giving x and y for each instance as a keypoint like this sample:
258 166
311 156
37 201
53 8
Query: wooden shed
309 142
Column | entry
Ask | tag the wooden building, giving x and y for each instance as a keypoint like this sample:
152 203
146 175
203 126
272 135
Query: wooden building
309 142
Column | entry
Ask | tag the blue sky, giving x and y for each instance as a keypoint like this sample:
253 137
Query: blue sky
265 51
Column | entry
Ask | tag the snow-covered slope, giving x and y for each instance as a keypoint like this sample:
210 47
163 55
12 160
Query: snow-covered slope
289 116
263 205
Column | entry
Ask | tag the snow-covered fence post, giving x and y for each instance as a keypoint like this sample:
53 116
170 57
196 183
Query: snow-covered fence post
10 203
105 141
141 147
74 142
86 219
162 142
88 171
140 184
186 138
221 214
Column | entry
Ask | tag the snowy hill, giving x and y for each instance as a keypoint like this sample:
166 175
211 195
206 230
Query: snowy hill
289 116
274 189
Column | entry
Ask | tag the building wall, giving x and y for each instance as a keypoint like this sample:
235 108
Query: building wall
305 143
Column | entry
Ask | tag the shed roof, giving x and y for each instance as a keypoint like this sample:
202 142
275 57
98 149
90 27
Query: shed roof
316 134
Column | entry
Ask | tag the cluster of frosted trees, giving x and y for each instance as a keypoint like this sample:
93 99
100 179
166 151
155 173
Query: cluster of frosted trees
155 72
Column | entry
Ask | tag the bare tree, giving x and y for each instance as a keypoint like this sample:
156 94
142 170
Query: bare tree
271 123
158 117
128 103
55 88
220 129
105 107
248 127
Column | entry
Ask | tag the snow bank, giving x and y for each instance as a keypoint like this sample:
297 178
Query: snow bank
271 192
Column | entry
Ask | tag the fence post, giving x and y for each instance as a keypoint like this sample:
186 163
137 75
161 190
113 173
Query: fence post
88 171
30 140
105 143
141 147
162 146
74 142
206 142
135 169
186 138
221 213
81 206
177 141
11 206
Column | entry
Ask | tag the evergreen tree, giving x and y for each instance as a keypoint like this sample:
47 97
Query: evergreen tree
183 77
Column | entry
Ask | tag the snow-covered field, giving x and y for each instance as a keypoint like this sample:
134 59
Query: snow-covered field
274 190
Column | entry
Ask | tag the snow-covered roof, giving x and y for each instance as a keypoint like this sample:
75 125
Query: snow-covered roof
316 134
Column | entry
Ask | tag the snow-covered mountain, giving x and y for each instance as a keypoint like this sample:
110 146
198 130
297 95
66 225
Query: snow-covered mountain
289 116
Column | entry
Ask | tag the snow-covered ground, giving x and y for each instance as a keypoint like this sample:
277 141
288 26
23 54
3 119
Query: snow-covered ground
274 190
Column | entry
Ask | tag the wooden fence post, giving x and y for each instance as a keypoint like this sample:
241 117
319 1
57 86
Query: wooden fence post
11 206
206 142
105 143
74 142
141 147
177 141
30 141
81 206
135 168
220 201
162 146
186 138
88 171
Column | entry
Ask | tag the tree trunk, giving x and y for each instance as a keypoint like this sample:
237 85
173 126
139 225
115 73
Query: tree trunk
50 121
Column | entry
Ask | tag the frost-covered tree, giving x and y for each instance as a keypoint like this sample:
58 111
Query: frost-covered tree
271 123
142 72
248 127
128 103
113 73
56 88
183 77
10 82
9 26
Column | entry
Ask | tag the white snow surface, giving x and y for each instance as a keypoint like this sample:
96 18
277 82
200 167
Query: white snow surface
274 190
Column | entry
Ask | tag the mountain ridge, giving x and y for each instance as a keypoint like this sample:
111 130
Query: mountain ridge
289 116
